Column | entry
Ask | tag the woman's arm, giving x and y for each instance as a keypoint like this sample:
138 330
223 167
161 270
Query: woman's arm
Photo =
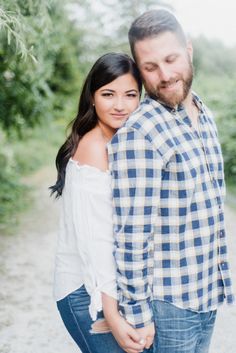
125 335
100 246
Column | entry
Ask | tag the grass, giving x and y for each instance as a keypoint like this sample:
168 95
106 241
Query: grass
26 156
231 194
19 158
14 199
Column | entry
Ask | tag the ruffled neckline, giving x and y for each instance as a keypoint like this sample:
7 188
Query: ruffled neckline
90 167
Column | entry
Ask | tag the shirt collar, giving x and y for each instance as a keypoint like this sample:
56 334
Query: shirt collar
178 108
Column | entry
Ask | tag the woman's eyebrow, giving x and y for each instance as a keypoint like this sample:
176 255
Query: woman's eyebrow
132 90
107 89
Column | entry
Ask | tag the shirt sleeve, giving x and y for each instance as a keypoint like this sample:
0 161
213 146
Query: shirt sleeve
101 243
136 177
94 230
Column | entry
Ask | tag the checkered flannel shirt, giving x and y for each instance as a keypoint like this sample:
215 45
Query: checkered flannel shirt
168 189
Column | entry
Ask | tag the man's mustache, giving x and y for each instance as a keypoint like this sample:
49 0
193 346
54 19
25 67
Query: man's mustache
165 84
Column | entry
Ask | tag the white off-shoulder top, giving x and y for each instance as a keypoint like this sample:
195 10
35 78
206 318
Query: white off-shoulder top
85 241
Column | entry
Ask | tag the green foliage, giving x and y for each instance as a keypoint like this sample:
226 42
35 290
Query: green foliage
20 158
231 193
229 148
227 132
41 143
13 194
14 28
39 76
38 148
217 92
111 21
122 14
212 57
31 87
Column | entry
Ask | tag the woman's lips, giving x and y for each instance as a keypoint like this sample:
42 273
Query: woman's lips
119 116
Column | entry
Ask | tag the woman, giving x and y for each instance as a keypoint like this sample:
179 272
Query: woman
85 269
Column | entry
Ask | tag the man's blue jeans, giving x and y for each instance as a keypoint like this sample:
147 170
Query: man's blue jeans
181 331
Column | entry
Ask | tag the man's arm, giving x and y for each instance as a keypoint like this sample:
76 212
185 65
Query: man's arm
136 171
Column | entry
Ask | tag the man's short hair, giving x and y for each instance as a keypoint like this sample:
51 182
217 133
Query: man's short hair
152 23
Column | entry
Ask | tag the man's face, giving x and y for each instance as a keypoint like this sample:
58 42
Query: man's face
166 67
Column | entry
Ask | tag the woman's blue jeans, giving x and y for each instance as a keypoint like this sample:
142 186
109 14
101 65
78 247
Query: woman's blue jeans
75 315
180 330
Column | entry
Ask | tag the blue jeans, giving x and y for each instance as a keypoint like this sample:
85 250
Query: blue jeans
75 315
181 331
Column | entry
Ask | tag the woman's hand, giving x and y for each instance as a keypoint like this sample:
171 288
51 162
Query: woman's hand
147 333
126 336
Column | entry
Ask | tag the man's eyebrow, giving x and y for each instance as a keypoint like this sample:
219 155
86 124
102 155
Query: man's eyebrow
148 63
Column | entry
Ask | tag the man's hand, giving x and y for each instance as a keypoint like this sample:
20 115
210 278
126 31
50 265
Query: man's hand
147 333
126 336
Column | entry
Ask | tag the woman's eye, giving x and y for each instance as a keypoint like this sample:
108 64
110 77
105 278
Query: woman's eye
106 94
132 95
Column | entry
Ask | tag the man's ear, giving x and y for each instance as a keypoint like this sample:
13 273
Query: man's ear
190 50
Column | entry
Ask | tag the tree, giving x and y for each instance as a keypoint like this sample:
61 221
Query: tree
215 71
123 13
38 59
109 21
213 57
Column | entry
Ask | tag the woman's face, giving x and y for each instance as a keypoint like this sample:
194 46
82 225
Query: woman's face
115 101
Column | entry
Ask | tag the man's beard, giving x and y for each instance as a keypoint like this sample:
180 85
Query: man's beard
173 98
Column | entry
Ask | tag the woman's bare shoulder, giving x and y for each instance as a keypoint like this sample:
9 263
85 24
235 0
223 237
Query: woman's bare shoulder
92 151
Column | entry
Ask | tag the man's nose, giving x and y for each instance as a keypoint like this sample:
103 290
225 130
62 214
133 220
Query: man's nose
164 73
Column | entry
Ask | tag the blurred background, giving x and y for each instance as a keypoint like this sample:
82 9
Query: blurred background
46 49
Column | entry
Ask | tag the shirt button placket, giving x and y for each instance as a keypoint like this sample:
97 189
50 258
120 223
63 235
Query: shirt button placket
222 234
214 183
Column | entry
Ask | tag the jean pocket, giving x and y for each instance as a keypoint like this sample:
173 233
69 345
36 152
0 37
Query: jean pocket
79 299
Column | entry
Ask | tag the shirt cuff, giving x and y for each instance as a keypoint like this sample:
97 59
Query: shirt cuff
138 314
96 297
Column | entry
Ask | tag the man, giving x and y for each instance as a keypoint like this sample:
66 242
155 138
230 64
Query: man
168 189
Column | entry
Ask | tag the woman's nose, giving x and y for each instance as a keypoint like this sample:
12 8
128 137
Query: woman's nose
119 104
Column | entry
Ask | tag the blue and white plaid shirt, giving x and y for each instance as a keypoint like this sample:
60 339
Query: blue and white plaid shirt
168 189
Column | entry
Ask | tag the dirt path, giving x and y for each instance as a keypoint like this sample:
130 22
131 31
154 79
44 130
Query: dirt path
29 322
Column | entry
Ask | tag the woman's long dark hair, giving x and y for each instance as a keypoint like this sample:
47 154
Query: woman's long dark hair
105 70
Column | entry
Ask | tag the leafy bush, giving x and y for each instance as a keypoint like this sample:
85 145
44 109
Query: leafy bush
39 76
32 87
217 91
13 194
227 131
